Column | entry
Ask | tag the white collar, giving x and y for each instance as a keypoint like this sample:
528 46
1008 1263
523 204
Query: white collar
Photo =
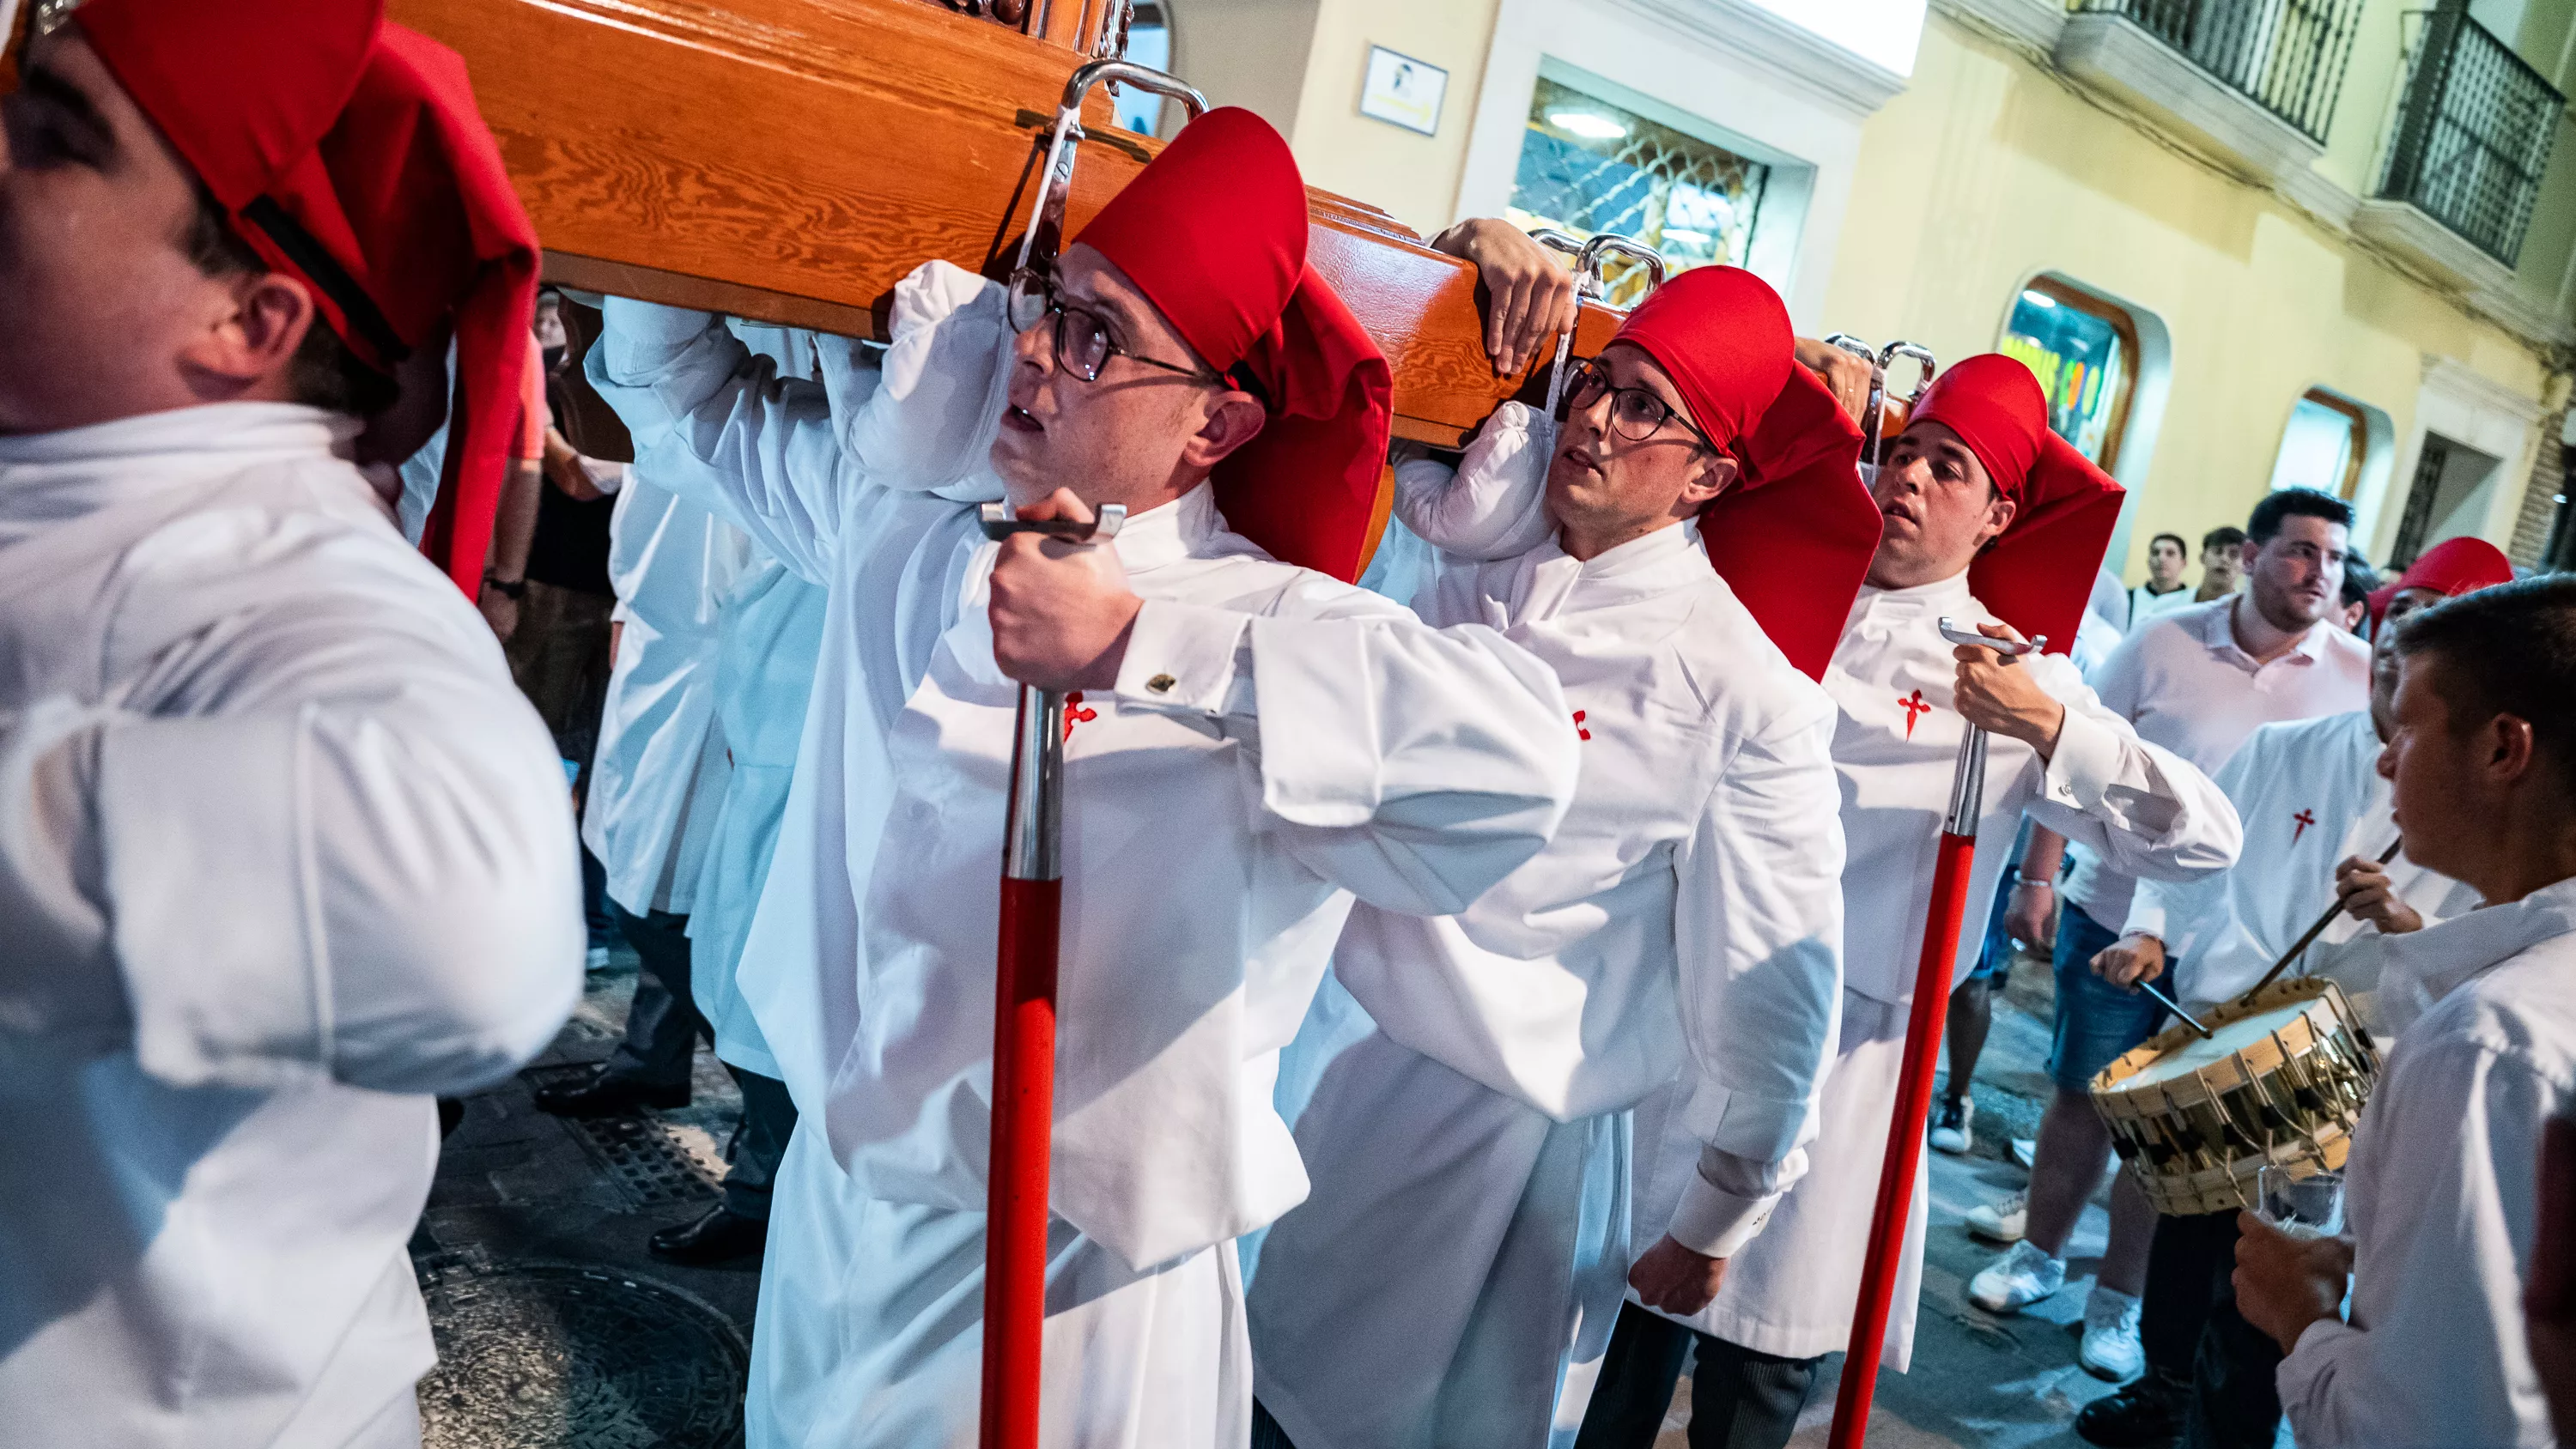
2449 954
1186 527
2218 633
222 433
1644 567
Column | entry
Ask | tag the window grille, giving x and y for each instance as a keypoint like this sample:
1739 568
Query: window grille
2473 135
1588 166
2286 56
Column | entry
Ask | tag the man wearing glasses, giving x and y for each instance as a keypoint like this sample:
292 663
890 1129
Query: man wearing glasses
1454 1277
1251 745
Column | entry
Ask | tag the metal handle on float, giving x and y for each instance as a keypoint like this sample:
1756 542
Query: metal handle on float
1024 980
1874 440
1046 213
1956 856
1587 283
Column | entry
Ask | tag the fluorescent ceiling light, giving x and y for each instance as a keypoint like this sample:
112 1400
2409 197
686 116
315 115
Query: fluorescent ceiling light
1590 126
2039 299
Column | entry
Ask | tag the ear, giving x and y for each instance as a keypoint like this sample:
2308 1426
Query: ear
1711 475
2000 513
249 340
1231 420
2509 748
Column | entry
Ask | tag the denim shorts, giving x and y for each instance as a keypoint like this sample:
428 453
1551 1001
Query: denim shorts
1998 947
2096 1021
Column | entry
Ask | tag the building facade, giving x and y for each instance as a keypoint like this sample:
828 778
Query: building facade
2245 243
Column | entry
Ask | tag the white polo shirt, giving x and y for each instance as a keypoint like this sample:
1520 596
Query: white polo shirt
2184 683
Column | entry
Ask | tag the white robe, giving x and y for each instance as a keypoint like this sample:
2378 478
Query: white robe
2143 809
1684 920
2311 797
282 853
1372 756
659 772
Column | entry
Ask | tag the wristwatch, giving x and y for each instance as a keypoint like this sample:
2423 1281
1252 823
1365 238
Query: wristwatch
508 588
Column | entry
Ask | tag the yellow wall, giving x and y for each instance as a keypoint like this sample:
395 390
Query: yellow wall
1411 175
1987 170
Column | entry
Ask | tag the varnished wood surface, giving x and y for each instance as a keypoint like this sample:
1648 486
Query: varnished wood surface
790 160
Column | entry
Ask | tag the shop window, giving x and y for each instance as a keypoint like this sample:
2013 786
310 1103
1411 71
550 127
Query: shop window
1149 43
2326 445
1588 165
2084 351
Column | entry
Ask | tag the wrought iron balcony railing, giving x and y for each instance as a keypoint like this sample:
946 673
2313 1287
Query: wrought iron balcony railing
2286 56
2474 132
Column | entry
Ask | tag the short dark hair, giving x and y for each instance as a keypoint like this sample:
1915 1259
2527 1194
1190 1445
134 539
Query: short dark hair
2180 546
2359 579
2225 535
325 373
2510 649
2283 503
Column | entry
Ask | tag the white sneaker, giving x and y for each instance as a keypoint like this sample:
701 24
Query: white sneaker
596 959
2024 1149
2001 1222
1950 1127
2018 1277
2111 1350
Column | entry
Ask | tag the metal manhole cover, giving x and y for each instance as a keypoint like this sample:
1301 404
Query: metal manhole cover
557 1356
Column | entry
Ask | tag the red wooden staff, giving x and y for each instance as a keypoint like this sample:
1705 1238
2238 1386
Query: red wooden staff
1015 1229
1922 1054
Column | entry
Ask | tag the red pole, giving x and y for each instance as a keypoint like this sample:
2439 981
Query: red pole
1015 1245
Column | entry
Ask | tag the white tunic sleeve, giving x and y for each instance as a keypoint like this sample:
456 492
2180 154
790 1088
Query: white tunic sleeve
2144 810
1493 505
1758 923
355 858
2189 912
2434 1354
715 423
1413 766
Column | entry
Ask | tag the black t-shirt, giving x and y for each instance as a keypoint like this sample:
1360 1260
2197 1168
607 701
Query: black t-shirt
570 548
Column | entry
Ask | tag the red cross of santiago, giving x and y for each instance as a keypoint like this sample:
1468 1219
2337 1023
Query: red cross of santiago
2305 818
1915 708
1578 725
1075 714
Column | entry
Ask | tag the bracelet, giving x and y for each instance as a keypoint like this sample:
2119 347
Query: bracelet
507 588
2025 883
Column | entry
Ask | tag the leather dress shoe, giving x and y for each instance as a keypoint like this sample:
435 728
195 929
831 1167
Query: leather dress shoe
719 1237
598 1094
2145 1415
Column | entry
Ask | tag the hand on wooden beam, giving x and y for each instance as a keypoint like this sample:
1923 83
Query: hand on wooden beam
1529 293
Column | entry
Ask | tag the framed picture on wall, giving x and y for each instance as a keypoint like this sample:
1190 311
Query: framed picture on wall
1403 91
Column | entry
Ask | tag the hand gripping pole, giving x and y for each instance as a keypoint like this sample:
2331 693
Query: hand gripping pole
1015 1229
1887 1224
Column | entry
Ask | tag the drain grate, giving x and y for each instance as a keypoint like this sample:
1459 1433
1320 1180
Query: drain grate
641 1154
559 1356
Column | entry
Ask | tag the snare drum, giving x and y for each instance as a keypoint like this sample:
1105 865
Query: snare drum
2280 1079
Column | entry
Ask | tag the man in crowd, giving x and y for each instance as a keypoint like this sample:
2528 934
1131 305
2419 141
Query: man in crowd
2222 563
2440 1197
2196 681
1684 919
2311 794
282 852
1182 361
1991 519
2164 590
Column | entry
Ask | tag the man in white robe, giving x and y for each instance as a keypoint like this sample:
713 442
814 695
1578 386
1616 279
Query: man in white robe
1993 521
2312 796
2439 1194
283 852
1453 1278
1253 745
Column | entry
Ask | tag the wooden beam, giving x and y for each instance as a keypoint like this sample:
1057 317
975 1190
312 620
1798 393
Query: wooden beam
790 160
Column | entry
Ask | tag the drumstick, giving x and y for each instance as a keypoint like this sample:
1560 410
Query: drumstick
2176 1008
2304 942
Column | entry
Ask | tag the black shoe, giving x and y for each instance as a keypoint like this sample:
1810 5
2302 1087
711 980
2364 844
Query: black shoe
597 1094
2145 1415
720 1237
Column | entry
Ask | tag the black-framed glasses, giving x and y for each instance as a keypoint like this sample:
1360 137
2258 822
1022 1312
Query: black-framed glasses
1635 414
1084 342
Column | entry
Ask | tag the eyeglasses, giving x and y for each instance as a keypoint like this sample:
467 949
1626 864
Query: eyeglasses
1635 414
1083 341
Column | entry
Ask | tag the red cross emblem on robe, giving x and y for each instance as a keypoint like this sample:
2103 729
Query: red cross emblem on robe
2304 819
1578 725
1915 708
1075 714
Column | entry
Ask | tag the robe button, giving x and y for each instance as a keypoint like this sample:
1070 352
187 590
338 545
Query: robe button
1161 683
